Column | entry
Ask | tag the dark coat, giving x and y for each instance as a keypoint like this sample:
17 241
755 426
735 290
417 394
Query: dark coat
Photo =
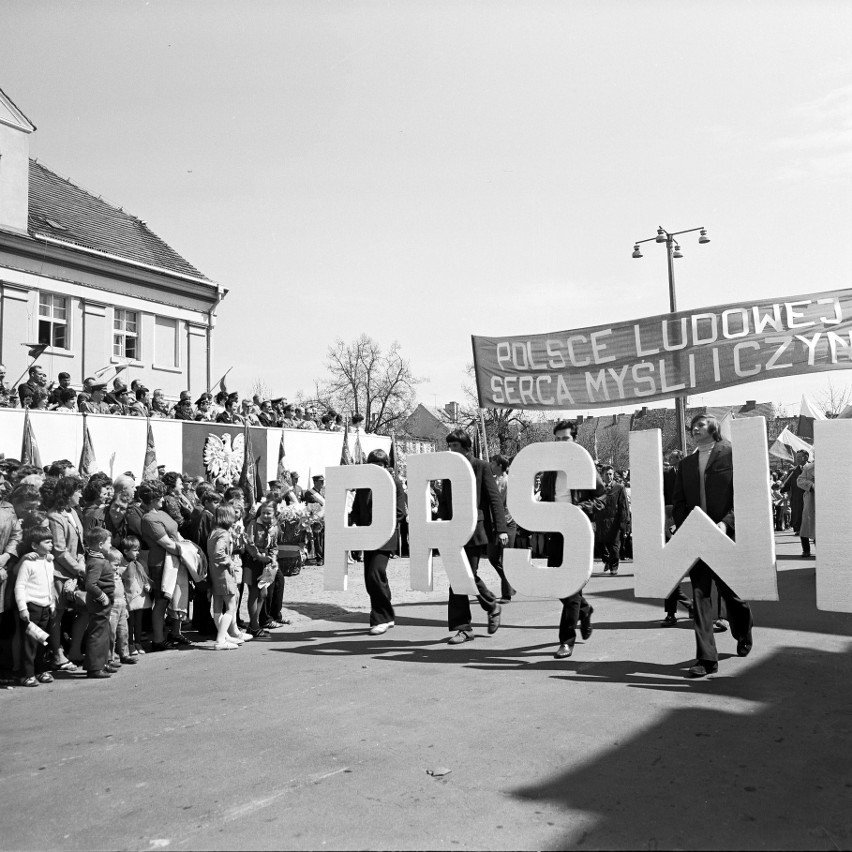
718 487
612 517
362 514
797 495
490 517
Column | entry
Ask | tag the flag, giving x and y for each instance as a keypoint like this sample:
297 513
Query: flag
248 475
345 455
149 467
725 425
258 482
88 464
787 444
282 475
29 447
360 458
393 453
808 412
103 374
35 349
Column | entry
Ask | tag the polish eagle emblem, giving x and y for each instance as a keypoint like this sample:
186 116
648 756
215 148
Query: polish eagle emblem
221 459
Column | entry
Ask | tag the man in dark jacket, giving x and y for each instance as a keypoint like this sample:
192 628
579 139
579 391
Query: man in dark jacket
491 523
554 489
610 520
705 480
376 561
797 496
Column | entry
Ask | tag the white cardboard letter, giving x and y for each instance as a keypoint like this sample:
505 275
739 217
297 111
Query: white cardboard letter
833 573
449 537
565 518
747 565
339 536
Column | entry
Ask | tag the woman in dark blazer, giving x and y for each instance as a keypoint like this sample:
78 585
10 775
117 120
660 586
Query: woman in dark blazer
705 480
376 561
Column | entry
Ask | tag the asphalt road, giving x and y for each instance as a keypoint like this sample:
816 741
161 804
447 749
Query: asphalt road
324 736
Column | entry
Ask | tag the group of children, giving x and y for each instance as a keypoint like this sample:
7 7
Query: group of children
118 590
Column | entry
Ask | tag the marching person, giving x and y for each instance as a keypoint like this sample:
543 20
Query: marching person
491 522
807 530
610 519
376 561
500 469
706 479
790 486
554 489
678 596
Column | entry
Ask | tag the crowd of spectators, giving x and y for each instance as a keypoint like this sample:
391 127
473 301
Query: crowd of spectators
97 572
136 400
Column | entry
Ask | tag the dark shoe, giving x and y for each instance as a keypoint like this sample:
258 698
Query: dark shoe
29 681
110 668
260 634
806 554
44 677
158 646
129 661
178 640
563 651
494 620
101 674
670 620
586 624
703 668
744 645
460 637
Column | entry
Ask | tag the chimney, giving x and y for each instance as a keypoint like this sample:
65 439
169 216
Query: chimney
15 129
580 419
750 405
452 410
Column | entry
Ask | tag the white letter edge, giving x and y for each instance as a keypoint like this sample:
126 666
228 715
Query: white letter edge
339 536
449 537
833 438
565 518
747 565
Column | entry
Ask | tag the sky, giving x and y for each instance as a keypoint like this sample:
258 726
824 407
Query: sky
425 171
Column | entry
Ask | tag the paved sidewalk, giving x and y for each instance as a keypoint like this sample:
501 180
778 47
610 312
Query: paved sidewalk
324 736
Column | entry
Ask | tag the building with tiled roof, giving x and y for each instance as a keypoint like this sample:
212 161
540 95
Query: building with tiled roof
93 282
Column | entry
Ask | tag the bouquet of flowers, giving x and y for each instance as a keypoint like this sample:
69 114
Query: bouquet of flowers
296 522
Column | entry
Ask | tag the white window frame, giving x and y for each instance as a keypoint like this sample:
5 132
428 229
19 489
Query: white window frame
50 318
120 315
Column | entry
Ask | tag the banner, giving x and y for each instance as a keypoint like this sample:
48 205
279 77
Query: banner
675 354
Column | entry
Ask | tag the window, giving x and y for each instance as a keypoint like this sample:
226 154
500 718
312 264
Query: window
53 320
125 338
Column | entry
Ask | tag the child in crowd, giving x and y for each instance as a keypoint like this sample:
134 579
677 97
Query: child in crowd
35 599
119 649
223 580
137 589
100 591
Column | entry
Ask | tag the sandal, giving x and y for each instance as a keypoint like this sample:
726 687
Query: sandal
67 666
260 634
45 677
29 681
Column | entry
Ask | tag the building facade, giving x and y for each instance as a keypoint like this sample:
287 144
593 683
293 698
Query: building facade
93 282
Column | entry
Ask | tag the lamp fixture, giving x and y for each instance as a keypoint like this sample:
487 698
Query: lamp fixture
677 251
661 235
636 252
702 237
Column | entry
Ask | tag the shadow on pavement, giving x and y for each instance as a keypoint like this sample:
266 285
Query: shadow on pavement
776 776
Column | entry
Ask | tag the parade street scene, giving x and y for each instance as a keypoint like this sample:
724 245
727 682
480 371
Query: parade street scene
416 412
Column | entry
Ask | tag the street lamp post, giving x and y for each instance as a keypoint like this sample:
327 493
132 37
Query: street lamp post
673 252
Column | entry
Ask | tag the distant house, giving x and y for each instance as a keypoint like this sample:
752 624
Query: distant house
426 423
93 282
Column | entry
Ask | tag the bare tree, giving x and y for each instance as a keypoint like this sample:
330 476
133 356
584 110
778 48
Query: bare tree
833 398
508 429
260 388
364 379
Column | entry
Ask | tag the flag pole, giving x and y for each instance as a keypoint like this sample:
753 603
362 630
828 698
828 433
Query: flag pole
210 389
27 368
485 448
